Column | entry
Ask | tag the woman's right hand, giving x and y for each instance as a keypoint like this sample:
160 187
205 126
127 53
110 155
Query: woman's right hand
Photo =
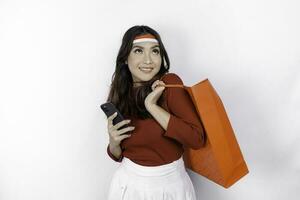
115 135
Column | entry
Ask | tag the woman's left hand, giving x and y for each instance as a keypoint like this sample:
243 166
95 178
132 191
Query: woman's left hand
157 90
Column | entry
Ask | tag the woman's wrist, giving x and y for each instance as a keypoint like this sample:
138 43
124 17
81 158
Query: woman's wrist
115 150
148 106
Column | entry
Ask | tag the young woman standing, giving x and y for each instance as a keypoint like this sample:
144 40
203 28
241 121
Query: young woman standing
163 120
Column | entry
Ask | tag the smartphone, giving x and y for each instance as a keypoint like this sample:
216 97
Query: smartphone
109 109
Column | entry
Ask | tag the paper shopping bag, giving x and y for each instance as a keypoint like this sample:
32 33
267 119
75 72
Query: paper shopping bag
221 159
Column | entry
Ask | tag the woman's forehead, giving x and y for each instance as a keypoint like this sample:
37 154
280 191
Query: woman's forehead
146 44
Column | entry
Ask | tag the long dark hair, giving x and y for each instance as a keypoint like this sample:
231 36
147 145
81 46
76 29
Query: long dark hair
129 100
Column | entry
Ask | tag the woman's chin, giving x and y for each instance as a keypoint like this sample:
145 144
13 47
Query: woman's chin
146 77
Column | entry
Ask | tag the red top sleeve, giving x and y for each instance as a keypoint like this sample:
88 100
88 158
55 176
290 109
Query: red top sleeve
184 124
112 156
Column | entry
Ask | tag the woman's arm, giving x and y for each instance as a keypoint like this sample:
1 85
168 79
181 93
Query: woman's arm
115 152
182 123
159 114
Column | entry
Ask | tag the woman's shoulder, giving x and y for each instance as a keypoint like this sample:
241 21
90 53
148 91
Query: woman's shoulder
171 78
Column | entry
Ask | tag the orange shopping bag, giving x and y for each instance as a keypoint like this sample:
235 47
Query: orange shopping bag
221 159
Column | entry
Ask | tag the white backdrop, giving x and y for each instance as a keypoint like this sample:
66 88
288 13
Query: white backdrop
57 59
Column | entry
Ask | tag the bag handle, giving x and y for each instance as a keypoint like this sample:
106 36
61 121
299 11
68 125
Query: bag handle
173 85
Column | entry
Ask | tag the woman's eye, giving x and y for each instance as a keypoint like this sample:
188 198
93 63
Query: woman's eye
156 50
137 50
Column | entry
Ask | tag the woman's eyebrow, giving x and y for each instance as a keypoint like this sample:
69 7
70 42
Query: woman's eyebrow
143 47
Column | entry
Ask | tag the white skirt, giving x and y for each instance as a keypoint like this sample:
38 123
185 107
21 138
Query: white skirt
132 181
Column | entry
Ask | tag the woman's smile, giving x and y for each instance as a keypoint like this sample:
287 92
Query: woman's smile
146 69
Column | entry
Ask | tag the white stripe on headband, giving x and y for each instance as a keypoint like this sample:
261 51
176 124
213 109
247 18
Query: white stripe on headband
144 40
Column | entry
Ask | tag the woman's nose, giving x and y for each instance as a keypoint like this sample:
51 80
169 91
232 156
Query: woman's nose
147 59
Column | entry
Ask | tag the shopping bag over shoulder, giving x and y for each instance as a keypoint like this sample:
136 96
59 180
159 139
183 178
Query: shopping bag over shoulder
221 159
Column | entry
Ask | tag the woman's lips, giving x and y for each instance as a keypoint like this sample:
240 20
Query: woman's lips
146 69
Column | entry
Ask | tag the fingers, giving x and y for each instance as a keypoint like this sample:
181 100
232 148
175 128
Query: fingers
154 84
161 83
113 129
157 83
118 136
123 137
110 119
124 130
120 124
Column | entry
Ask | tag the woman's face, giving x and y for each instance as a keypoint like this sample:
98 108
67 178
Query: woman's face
144 61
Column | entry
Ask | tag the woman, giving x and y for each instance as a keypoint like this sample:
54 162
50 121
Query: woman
163 121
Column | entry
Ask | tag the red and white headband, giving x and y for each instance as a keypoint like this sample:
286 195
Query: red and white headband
145 38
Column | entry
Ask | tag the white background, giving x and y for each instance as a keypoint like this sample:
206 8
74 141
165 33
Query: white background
57 59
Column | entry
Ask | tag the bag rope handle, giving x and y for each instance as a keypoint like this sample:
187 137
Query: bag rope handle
173 85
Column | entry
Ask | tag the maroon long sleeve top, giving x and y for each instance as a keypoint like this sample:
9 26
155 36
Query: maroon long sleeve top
150 144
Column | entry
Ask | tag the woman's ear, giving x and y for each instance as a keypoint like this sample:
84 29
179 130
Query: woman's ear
126 62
